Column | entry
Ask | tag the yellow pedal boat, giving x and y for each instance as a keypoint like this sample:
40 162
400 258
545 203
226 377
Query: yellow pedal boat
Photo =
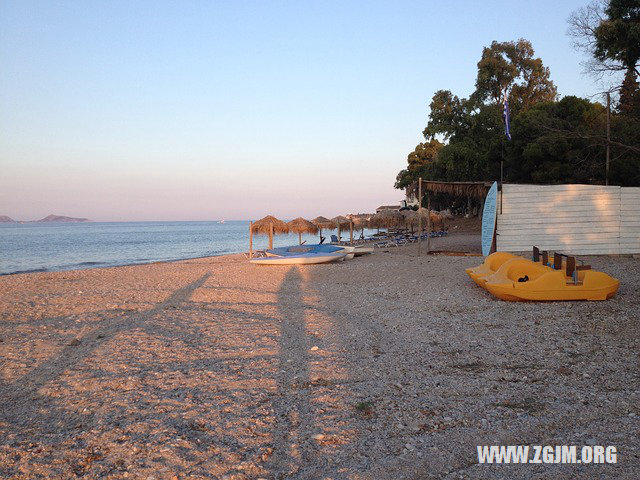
519 279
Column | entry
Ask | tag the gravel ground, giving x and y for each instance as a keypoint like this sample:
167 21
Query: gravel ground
387 366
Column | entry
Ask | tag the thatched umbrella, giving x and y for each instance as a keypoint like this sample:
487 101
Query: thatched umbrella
323 222
375 222
433 216
268 226
360 222
410 217
300 226
429 215
341 221
387 218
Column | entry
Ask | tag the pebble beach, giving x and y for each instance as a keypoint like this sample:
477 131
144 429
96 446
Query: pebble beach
387 366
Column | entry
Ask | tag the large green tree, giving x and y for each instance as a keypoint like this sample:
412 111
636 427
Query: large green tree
609 31
472 127
512 65
617 37
557 142
552 141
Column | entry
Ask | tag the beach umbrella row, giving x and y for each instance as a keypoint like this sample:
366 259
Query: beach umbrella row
271 226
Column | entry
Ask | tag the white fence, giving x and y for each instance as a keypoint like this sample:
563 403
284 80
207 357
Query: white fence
578 219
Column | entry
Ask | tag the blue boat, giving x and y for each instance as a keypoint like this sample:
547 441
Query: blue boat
304 249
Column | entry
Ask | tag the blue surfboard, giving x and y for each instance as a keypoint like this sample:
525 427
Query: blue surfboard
489 219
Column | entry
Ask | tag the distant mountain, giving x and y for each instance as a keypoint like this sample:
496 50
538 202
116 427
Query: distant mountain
62 218
5 219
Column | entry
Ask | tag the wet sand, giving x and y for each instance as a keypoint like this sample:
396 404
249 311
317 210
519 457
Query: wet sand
383 367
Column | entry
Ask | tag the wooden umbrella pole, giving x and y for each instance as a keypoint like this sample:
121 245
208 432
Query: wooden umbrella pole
250 239
428 223
350 232
270 236
299 238
419 215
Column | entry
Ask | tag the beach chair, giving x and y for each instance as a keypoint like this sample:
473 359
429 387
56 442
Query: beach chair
334 239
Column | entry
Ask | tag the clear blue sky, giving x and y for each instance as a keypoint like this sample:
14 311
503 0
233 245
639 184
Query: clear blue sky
197 110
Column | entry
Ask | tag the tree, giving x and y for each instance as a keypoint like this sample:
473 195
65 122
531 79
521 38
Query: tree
565 141
629 101
617 37
609 33
473 126
419 160
512 65
424 154
557 142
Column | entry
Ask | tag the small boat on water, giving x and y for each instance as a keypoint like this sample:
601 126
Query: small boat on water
300 258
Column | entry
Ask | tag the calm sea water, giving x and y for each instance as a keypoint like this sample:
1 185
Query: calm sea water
41 247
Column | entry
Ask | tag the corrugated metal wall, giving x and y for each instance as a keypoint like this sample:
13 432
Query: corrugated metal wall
579 219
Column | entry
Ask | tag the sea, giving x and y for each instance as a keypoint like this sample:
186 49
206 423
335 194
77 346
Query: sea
45 247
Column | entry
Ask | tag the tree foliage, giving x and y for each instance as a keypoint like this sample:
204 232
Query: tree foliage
419 161
472 127
629 99
552 141
617 37
513 65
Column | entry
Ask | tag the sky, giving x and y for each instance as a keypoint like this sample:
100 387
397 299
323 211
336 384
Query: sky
206 110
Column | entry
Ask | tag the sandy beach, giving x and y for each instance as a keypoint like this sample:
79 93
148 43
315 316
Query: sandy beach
387 366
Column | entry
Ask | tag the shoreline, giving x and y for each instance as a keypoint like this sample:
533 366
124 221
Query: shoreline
94 266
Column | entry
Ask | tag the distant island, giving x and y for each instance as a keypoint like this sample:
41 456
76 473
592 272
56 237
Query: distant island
62 218
48 218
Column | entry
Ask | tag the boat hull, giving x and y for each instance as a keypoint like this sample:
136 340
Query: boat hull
362 251
301 259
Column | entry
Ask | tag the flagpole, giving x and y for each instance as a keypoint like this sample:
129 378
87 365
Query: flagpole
501 170
505 116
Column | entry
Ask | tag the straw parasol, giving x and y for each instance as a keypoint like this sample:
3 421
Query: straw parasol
433 216
361 222
300 225
323 222
387 218
268 226
341 221
410 217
